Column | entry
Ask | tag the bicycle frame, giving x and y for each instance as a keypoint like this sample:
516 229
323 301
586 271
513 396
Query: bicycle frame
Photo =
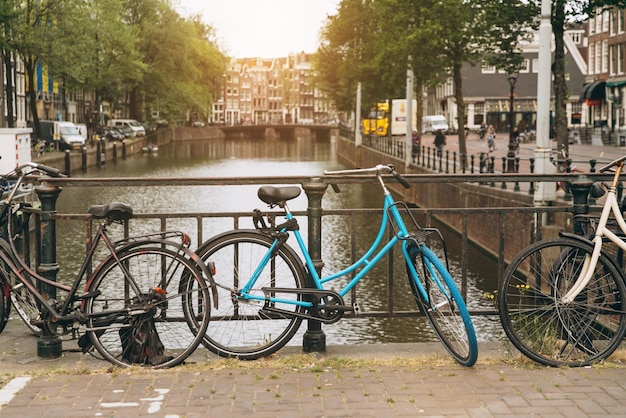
610 207
371 257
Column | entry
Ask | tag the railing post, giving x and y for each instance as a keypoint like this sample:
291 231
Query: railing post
580 192
48 345
314 339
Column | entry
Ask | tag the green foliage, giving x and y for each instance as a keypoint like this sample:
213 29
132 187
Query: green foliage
116 47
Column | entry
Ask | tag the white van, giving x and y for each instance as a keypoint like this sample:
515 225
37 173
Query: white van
135 126
431 124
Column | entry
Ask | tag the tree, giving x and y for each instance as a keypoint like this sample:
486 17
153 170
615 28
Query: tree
564 12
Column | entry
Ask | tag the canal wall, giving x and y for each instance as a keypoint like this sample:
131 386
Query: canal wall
487 231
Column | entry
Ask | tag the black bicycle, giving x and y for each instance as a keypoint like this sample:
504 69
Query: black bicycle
147 303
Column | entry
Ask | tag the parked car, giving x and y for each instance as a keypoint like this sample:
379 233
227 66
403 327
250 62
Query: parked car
127 131
111 133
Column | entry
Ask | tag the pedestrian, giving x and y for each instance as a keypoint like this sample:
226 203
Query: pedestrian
440 142
514 140
416 145
491 138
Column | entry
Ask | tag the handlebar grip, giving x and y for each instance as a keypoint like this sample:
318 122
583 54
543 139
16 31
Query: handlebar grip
51 171
401 179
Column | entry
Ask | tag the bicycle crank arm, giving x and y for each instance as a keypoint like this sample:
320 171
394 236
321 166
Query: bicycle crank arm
304 315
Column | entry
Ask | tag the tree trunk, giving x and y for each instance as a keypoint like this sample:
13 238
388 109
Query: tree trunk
460 103
8 90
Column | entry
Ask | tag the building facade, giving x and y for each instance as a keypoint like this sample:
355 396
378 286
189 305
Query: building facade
270 91
487 90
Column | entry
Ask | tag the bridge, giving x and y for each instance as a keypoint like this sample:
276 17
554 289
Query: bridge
277 131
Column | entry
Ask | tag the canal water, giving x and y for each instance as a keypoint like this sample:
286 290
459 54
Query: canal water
298 157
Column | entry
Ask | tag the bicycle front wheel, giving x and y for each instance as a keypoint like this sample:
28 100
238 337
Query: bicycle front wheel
544 328
151 308
23 301
443 304
245 326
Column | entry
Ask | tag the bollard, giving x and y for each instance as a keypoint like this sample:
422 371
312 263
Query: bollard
84 158
48 345
98 152
314 339
531 189
510 159
114 157
103 148
123 150
67 162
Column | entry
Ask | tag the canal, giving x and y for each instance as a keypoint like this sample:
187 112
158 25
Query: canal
242 158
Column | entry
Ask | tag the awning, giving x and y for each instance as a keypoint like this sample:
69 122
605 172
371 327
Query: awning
616 83
594 91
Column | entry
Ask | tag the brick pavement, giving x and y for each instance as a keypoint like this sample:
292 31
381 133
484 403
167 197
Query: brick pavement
377 380
370 389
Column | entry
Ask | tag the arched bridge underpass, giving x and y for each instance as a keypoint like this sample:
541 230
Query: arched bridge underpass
278 131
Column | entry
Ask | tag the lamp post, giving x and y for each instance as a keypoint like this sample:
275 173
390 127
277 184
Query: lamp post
512 79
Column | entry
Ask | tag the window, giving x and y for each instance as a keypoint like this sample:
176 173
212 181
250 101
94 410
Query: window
620 58
620 21
591 68
605 21
605 56
488 69
613 21
598 59
535 65
576 37
525 66
613 59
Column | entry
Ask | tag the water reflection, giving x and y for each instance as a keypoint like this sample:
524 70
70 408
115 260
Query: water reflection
242 158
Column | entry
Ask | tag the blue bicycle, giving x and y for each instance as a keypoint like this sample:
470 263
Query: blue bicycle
265 290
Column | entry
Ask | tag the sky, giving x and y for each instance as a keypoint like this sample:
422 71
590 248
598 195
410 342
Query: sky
263 28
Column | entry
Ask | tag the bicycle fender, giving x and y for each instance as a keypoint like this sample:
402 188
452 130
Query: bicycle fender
576 237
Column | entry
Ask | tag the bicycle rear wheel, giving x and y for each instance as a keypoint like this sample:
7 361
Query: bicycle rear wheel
157 318
243 327
552 332
444 306
23 301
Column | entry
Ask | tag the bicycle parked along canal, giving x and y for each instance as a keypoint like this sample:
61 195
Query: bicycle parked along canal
562 300
146 303
265 290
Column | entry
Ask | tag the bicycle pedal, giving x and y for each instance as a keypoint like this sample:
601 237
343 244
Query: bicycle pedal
356 308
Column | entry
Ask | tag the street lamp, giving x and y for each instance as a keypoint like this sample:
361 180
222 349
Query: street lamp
512 79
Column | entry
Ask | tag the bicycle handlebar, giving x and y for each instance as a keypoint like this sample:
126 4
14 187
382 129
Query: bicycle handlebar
613 164
379 170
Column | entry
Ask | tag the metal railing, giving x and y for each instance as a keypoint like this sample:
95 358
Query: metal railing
315 213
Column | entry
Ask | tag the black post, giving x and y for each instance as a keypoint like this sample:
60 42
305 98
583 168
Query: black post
314 339
67 162
84 158
48 345
580 191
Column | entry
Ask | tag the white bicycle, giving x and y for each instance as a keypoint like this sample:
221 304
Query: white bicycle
561 301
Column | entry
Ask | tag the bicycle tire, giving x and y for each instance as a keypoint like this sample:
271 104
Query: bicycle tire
172 292
23 301
5 304
445 309
241 328
548 331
